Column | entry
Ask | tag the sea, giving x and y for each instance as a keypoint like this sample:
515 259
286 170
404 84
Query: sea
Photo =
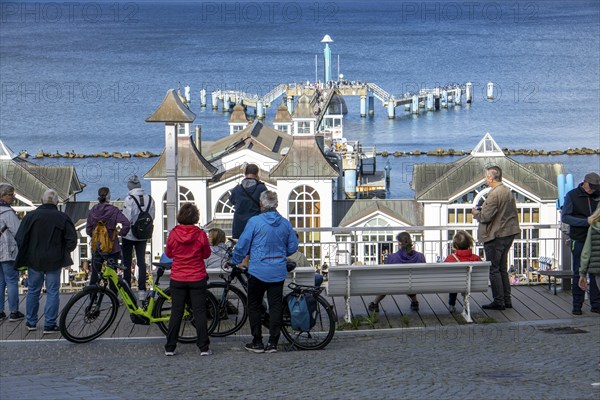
83 76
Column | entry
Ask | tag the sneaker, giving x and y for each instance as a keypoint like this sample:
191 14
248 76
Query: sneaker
452 309
414 305
271 348
255 347
30 327
508 305
206 352
51 329
373 307
16 316
595 310
493 306
169 353
576 311
2 315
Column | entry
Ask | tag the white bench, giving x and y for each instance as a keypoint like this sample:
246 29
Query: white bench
371 280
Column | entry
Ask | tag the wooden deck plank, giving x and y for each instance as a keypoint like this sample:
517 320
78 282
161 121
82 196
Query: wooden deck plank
543 308
439 305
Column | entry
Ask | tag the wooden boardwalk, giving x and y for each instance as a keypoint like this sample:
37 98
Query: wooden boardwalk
531 303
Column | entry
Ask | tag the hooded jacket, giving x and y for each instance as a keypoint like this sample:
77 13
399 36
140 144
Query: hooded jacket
132 211
590 255
112 216
402 257
245 197
269 239
463 256
10 221
188 246
46 239
218 256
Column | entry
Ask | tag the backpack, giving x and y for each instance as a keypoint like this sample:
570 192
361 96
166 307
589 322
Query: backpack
101 240
303 311
143 226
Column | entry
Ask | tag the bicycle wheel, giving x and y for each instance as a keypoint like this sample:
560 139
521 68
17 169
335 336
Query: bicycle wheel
319 336
88 314
232 305
187 331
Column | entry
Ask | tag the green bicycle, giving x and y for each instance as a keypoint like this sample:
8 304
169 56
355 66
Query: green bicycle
91 312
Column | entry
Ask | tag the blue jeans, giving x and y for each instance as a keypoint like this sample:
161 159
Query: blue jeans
35 279
9 278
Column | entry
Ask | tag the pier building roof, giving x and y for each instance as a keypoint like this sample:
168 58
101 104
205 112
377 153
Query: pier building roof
283 115
31 180
172 110
238 173
349 212
442 182
190 163
257 136
304 160
303 109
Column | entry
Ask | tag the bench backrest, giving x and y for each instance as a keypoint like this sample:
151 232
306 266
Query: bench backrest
408 278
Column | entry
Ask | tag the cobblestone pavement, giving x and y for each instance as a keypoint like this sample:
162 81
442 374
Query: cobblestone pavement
542 360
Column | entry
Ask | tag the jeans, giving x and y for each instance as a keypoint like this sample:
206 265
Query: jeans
578 294
195 292
256 292
35 280
9 278
140 255
496 251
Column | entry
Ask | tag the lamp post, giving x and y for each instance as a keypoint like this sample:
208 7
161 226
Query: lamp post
171 112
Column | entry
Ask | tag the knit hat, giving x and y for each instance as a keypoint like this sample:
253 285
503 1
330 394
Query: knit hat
593 179
133 182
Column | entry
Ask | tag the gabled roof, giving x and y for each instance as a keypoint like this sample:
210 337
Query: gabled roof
31 180
442 182
348 212
239 172
190 163
258 137
304 160
487 147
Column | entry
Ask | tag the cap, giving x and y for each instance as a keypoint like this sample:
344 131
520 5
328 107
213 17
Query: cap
593 179
133 182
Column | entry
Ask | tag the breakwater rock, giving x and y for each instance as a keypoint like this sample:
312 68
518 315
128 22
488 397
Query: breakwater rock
508 152
102 154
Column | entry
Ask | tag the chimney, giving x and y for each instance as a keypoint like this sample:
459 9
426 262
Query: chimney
198 138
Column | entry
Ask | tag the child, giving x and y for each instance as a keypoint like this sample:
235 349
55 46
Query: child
461 246
188 246
218 249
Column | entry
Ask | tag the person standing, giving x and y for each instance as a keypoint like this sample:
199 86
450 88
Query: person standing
406 254
245 197
188 246
498 226
579 204
9 276
136 202
111 216
462 244
46 239
269 239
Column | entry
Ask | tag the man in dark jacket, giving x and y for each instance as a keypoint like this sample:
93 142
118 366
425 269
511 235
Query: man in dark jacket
245 197
46 239
579 204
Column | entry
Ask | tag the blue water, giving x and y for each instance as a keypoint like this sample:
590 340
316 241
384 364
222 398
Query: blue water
85 78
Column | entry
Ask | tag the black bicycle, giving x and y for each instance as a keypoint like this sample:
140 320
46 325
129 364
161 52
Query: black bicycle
232 303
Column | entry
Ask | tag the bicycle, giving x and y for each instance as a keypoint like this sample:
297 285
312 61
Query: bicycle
233 310
91 312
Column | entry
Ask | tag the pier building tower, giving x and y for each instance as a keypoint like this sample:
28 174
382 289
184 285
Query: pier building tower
283 120
238 120
327 57
304 118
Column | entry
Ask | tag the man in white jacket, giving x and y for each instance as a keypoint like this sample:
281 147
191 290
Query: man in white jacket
132 211
9 277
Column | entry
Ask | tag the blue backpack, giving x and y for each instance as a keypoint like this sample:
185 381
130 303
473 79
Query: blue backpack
303 311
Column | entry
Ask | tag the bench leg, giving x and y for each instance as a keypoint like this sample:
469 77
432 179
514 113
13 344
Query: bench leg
347 314
466 313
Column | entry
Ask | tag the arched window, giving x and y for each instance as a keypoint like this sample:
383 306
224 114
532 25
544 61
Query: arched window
224 208
376 244
304 211
185 196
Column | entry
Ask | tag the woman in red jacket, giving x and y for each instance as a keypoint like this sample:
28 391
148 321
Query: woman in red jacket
188 246
461 252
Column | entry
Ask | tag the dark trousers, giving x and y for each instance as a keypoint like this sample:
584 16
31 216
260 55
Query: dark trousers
496 251
256 292
578 294
140 255
195 292
97 260
452 299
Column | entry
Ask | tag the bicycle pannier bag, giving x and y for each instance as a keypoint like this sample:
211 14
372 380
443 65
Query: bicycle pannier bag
143 226
303 311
